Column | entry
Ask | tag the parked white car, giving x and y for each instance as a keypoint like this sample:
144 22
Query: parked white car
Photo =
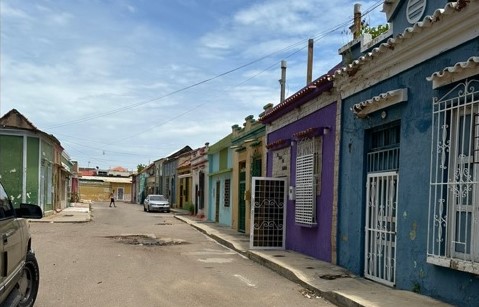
156 203
20 275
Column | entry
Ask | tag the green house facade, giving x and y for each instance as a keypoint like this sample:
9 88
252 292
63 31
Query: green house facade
30 162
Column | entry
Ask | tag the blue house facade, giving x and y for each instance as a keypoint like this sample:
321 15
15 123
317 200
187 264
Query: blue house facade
408 211
170 176
220 159
301 142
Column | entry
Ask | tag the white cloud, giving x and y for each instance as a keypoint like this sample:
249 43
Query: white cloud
8 11
102 75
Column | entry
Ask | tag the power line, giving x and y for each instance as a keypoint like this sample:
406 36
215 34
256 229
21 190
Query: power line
316 37
283 50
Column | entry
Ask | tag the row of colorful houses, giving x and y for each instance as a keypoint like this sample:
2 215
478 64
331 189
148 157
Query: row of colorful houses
373 166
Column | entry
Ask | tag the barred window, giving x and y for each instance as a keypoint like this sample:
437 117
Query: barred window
227 193
454 192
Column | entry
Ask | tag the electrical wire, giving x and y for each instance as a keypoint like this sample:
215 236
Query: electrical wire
293 46
283 50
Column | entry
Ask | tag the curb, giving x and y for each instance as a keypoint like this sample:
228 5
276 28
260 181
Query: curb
330 296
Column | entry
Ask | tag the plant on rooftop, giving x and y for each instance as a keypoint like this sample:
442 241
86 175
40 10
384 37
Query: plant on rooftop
374 31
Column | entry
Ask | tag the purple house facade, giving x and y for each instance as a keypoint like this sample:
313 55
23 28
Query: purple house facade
301 143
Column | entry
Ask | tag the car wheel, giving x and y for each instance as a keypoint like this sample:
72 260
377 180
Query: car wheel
168 211
29 281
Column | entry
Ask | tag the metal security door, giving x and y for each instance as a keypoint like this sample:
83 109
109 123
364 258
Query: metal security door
381 205
241 200
268 214
120 194
217 201
381 227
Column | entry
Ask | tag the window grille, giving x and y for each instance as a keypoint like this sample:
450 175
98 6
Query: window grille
227 193
453 238
308 168
384 149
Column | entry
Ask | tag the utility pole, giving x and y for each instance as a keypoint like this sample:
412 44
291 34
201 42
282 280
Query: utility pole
357 20
309 72
282 81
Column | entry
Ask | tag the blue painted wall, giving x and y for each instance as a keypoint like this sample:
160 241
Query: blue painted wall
225 217
415 153
217 174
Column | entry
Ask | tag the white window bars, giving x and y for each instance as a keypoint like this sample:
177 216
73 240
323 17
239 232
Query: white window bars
453 238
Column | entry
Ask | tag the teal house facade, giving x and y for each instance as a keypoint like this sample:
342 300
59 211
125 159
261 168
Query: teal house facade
220 159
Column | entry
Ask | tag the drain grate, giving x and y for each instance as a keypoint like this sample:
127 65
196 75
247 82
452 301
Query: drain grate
279 256
146 240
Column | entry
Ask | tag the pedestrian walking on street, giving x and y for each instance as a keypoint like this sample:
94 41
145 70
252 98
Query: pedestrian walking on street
112 199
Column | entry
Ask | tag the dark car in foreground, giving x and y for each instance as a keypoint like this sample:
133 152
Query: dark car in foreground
19 272
156 202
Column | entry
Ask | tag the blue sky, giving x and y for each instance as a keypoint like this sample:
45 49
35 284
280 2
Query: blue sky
121 82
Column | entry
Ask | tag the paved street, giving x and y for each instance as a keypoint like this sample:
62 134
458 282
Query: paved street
126 257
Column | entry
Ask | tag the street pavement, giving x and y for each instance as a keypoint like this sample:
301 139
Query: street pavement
332 282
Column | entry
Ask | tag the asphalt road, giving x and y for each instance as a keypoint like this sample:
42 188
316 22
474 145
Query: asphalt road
126 257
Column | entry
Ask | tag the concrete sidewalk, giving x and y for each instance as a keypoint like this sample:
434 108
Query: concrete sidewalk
327 280
77 213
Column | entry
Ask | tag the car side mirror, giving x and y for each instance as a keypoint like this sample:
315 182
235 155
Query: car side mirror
29 211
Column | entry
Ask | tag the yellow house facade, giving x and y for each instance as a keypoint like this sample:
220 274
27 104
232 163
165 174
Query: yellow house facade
98 188
248 162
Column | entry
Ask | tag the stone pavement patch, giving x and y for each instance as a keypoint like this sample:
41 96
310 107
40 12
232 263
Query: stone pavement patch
146 240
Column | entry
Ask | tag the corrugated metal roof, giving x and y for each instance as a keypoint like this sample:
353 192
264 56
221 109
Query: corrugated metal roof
107 179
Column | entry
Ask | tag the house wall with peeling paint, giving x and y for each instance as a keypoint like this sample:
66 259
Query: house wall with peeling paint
11 166
414 115
33 168
95 190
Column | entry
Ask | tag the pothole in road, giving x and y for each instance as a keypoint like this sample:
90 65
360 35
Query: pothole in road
333 276
309 294
146 240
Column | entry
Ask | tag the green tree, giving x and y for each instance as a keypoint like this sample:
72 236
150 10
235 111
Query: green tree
374 31
140 167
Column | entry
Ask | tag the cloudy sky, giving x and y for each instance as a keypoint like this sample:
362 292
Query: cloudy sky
126 82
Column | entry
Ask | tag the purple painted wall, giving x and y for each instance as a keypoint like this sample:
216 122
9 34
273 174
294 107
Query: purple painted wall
316 241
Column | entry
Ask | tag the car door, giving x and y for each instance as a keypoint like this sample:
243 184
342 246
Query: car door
11 256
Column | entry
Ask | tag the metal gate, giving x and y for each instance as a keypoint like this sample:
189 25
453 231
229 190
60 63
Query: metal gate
268 215
380 229
241 200
381 205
